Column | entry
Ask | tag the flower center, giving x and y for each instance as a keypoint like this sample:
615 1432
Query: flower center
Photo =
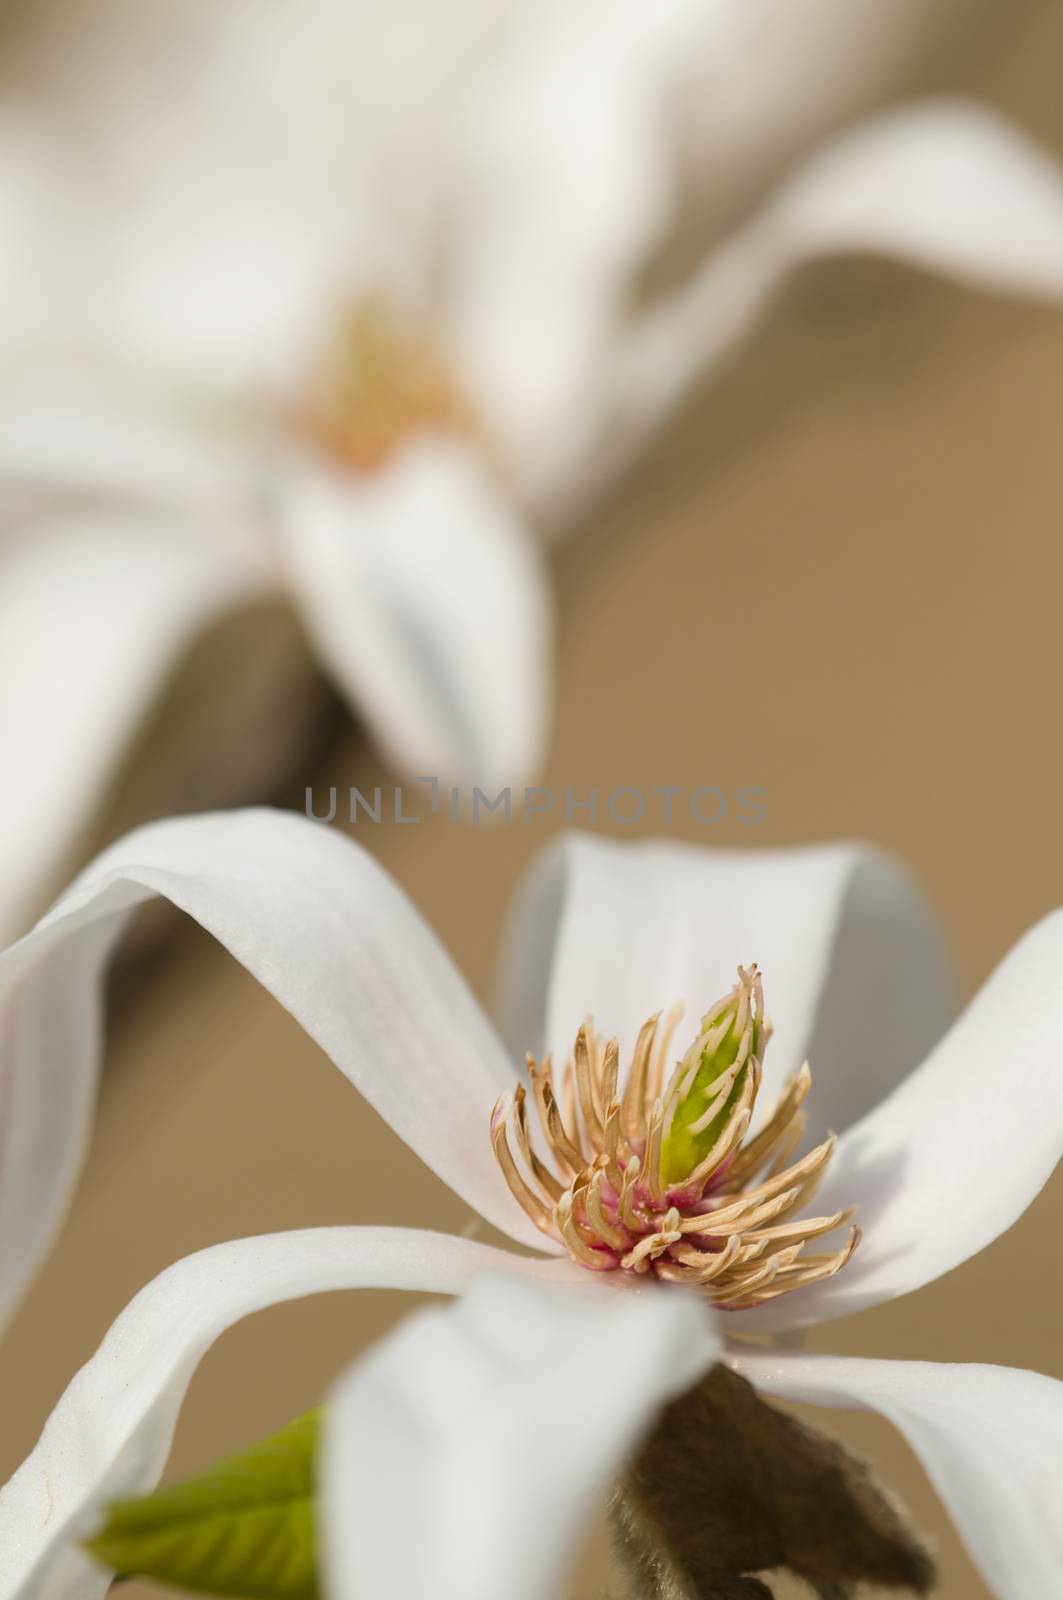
661 1178
379 384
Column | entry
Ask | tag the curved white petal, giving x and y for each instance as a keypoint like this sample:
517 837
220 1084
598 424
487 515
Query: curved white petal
990 1438
95 609
959 1150
427 600
767 82
619 118
948 185
322 927
110 1434
853 969
499 1420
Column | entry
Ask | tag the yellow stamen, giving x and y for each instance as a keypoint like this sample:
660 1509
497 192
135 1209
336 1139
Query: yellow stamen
731 1224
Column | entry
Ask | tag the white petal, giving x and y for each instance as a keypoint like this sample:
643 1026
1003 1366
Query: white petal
157 199
618 117
426 598
94 611
990 1438
955 1155
110 1434
948 185
578 108
766 82
70 428
322 927
854 973
222 270
499 1420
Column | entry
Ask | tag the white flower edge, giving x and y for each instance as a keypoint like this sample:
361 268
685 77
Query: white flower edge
323 928
990 1439
501 1419
95 612
960 1148
541 1386
949 186
110 1434
855 969
461 1414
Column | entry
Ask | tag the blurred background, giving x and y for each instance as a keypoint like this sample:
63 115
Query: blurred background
835 575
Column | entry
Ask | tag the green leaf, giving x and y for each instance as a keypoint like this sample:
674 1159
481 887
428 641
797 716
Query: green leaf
244 1528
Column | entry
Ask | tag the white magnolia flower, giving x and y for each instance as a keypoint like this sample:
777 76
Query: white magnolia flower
936 1150
196 200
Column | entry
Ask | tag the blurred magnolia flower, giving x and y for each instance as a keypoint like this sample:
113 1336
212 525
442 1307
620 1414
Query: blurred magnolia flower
858 985
334 303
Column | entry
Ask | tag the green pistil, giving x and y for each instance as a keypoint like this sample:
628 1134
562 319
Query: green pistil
683 1148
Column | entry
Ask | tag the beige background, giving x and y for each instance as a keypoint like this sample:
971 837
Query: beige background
839 578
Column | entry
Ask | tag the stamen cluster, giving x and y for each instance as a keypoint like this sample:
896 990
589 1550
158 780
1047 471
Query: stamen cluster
380 384
661 1178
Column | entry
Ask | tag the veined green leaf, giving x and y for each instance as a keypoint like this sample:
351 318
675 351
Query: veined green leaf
243 1528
